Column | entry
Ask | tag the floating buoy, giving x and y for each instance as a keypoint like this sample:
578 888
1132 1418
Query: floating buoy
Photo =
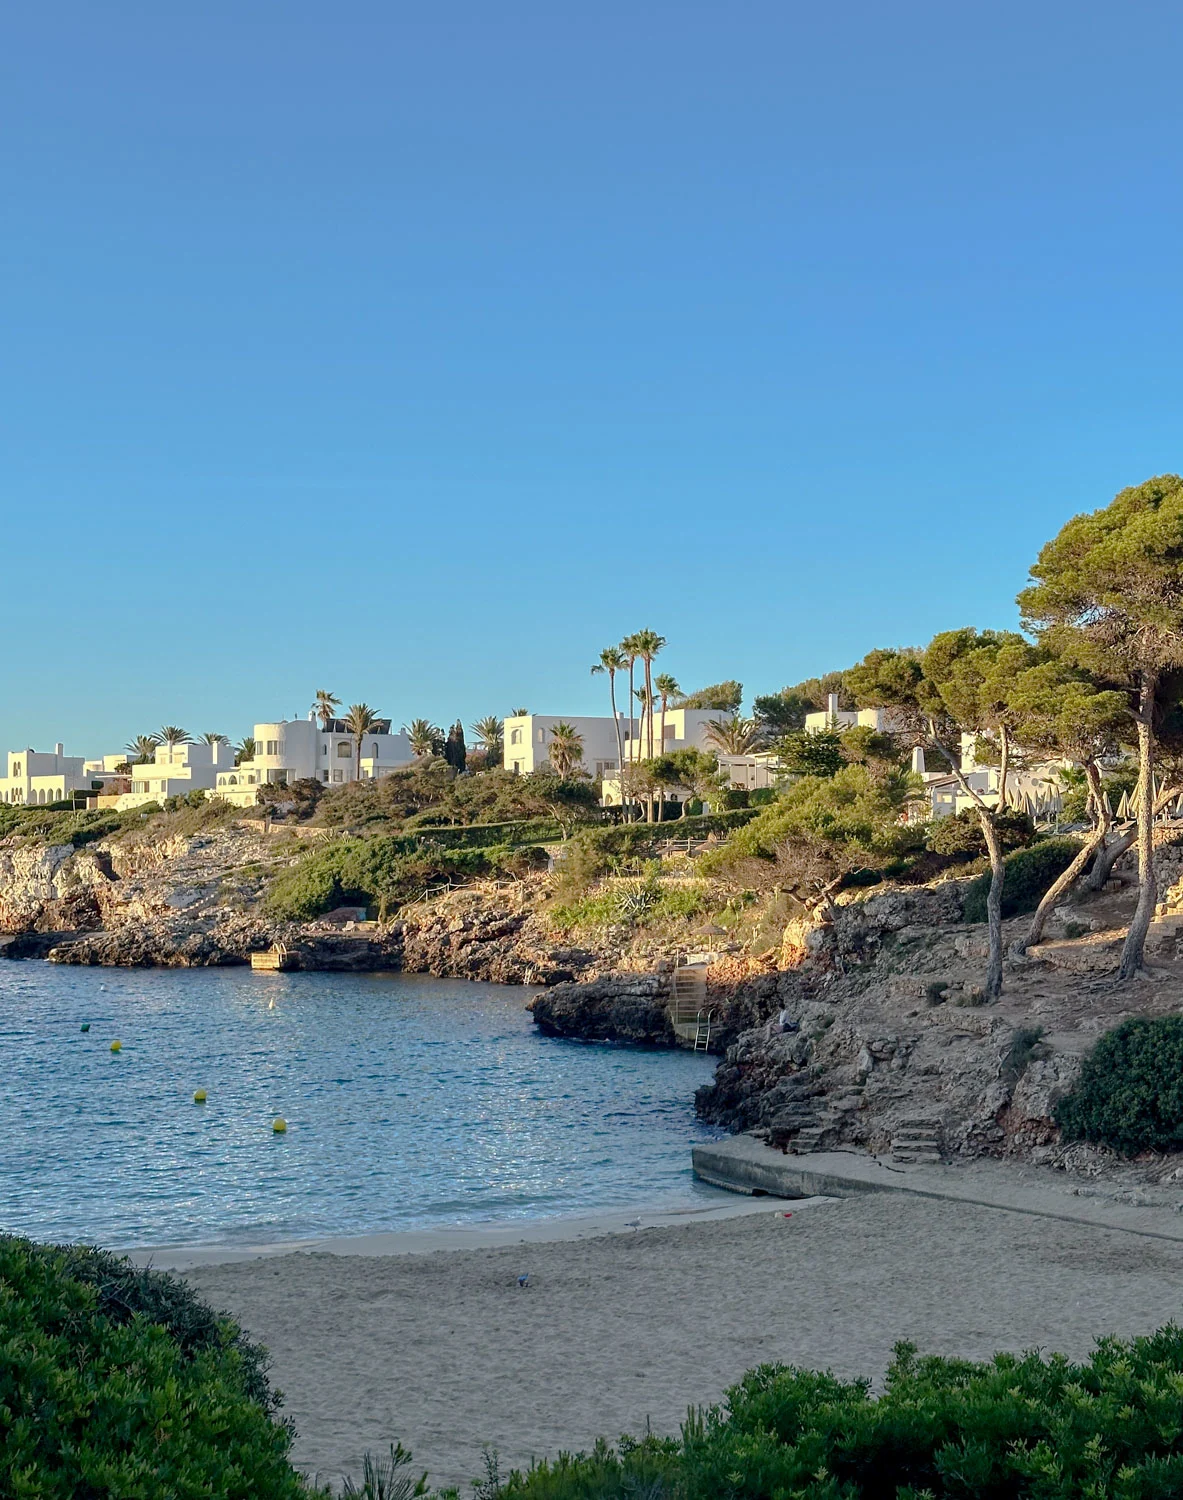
86 1025
279 1125
116 1046
199 1097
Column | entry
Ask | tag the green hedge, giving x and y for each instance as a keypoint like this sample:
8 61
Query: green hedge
117 1382
1130 1091
1029 874
1013 1428
486 835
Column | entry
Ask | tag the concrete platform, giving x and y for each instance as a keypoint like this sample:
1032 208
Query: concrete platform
746 1165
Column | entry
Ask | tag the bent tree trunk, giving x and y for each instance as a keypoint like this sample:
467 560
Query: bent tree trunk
1108 856
1074 871
994 904
1132 953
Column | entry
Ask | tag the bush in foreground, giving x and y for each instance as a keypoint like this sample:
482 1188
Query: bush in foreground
119 1382
1020 1427
1130 1091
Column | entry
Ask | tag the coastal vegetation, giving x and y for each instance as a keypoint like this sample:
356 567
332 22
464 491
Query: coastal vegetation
1130 1091
1028 1427
116 1381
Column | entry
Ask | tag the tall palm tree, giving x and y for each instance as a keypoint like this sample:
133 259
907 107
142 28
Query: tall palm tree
212 737
142 749
667 688
325 707
628 648
246 751
171 736
490 732
566 748
648 644
360 721
424 736
736 736
613 660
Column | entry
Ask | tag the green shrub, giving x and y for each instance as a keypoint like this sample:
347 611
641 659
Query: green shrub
1130 1091
1029 874
961 835
1017 1427
119 1382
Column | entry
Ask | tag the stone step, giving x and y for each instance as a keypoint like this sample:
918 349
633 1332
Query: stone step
920 1136
917 1158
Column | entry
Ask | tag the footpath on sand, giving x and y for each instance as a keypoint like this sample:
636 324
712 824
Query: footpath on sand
745 1164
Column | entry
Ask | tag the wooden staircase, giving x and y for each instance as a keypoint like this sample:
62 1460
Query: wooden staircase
690 1015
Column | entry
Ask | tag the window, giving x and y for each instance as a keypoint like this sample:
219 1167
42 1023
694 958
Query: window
669 731
515 738
374 751
338 775
272 747
324 775
542 736
344 750
324 750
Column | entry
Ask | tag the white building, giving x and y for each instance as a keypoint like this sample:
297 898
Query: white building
305 750
833 717
175 771
37 777
527 740
682 729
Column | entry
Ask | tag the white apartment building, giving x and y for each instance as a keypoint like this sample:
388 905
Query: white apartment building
175 771
527 739
37 777
682 729
305 750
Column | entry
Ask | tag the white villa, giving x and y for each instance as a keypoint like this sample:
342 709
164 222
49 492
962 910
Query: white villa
175 771
527 740
833 717
304 750
36 777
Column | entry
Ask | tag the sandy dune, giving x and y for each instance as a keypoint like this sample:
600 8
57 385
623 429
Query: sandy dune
446 1353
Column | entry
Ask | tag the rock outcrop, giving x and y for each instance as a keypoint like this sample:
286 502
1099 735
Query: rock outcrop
613 1008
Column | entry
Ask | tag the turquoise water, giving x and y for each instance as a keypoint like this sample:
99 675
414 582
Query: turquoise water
410 1103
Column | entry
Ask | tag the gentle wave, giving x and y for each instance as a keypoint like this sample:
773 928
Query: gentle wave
410 1103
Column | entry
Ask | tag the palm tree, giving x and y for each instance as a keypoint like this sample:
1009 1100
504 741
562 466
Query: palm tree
648 644
246 751
518 713
566 748
142 749
667 688
211 737
424 736
171 736
360 721
490 732
325 707
736 736
628 649
613 660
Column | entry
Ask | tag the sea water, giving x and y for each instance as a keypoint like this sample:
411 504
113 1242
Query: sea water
410 1103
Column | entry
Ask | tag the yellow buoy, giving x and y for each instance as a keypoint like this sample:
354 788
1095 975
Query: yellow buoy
199 1097
116 1046
279 1125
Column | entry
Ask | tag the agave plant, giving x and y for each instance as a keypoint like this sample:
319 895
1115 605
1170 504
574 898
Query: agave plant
386 1479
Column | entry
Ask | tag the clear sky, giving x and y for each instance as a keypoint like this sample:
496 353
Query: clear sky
419 351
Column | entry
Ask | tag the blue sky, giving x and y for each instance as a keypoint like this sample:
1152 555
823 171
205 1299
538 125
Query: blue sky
418 352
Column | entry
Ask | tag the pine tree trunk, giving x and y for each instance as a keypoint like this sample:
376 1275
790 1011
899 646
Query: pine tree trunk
1132 953
1072 874
1107 857
994 905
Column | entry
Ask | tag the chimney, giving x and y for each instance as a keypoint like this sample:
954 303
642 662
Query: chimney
59 749
918 760
832 705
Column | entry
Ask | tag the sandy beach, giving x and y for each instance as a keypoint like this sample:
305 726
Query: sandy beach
443 1350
